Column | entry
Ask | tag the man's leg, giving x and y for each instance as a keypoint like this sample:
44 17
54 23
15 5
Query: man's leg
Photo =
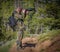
20 34
19 39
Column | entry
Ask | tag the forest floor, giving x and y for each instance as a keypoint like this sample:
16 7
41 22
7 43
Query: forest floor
33 45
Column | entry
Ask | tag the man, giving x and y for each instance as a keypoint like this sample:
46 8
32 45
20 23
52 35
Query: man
20 25
21 16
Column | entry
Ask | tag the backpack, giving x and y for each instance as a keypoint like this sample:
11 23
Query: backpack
12 22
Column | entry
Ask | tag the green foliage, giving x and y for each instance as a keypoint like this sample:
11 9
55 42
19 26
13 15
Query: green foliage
6 47
28 3
49 35
6 8
46 18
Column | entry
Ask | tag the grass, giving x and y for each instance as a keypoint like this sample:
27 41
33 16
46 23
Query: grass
48 35
5 48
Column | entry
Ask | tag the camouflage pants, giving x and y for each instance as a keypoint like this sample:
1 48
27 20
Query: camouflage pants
20 34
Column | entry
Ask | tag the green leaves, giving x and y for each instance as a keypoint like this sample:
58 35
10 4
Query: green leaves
6 8
47 16
5 11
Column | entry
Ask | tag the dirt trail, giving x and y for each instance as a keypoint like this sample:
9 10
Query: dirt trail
32 45
28 43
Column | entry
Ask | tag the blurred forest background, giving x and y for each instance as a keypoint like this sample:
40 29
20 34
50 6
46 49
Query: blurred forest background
45 19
